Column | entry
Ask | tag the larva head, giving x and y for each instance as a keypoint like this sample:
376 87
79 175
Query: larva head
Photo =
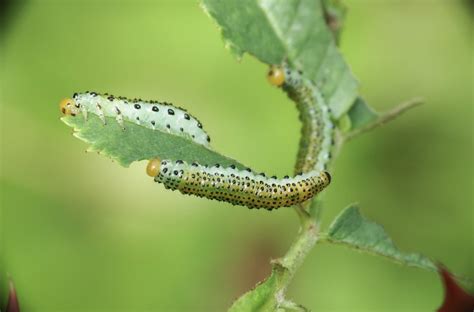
68 107
153 167
276 76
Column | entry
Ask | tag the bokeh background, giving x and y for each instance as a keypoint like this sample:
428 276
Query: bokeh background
81 233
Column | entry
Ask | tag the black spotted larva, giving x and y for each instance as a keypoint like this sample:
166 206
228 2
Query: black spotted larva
318 129
151 114
238 187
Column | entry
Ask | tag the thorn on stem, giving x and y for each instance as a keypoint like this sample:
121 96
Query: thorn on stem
12 303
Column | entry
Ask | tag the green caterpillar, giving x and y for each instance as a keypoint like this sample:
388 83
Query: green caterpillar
154 115
317 131
238 187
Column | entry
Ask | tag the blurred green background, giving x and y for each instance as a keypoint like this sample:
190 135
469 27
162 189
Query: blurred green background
80 233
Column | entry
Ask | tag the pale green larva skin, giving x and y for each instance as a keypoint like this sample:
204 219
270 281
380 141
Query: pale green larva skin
150 114
318 129
240 187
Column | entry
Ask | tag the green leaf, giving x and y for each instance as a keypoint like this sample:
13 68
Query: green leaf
361 114
292 30
261 298
361 118
139 143
335 13
351 229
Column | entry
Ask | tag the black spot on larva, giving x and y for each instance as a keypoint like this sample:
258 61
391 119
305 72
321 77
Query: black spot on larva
217 165
328 176
170 111
153 122
286 177
175 172
193 136
181 129
137 106
262 174
168 126
300 72
165 170
274 177
186 116
74 95
179 161
194 164
199 125
232 166
138 118
155 109
208 139
299 173
248 169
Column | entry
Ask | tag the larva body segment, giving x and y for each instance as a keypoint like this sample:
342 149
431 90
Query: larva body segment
240 187
150 114
318 129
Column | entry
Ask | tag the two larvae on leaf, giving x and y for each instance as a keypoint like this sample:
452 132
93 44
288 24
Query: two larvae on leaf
229 184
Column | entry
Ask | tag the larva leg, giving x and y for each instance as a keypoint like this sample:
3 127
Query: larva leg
100 113
119 118
84 112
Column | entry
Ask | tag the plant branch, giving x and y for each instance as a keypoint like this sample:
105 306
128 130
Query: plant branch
294 257
385 117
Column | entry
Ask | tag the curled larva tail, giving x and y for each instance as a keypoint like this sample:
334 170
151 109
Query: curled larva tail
238 187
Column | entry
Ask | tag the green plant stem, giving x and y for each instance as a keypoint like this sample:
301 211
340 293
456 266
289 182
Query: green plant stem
286 267
304 242
308 236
